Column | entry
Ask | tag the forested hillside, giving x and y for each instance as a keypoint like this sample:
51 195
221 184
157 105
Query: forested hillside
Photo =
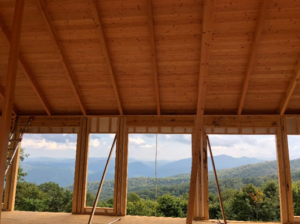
250 192
61 171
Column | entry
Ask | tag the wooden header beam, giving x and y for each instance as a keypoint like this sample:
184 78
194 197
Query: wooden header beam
290 90
97 19
27 72
207 30
62 57
250 66
153 55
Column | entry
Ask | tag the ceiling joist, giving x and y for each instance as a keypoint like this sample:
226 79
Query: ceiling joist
106 55
207 30
290 90
62 57
153 55
250 66
27 72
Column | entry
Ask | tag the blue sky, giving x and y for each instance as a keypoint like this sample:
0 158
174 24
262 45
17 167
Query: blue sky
170 147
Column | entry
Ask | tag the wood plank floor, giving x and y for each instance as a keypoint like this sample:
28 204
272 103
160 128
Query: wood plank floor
19 217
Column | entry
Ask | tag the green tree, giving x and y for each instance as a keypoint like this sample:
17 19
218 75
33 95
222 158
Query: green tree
169 206
21 173
57 197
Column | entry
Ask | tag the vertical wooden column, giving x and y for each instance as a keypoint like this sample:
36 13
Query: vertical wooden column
121 169
196 169
81 167
198 194
11 178
201 209
284 174
10 91
204 190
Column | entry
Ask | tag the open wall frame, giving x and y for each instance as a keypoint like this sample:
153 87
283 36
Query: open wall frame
123 125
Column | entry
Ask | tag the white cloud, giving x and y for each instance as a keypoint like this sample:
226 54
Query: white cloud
94 143
168 136
137 141
47 145
147 146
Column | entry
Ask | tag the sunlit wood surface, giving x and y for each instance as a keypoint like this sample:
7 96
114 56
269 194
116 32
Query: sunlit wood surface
252 43
18 217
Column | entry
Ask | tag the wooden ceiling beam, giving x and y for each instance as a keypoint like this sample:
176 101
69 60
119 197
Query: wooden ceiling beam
290 90
153 55
26 71
207 30
250 66
62 56
97 19
2 93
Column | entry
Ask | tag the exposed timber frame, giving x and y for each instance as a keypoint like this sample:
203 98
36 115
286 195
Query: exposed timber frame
11 177
81 167
2 93
153 55
97 19
10 89
207 30
284 174
290 90
27 72
121 170
211 124
62 56
251 62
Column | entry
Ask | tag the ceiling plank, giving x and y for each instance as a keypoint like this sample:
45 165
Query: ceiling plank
97 19
207 30
2 93
290 89
62 57
153 55
27 71
250 66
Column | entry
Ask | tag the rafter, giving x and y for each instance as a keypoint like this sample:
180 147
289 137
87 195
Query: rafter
97 19
153 55
2 93
27 71
290 90
62 57
207 30
250 66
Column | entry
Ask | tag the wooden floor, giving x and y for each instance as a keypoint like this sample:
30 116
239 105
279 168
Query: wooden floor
18 217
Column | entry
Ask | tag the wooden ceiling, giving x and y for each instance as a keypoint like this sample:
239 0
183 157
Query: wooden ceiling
132 57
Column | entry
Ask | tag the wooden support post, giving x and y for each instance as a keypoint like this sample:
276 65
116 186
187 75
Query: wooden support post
201 210
198 195
284 174
11 178
204 190
10 91
207 30
121 170
81 167
196 158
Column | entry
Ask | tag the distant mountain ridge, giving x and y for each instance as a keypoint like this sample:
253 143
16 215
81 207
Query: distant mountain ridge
61 171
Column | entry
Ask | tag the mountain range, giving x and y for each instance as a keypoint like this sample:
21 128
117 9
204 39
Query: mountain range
61 171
